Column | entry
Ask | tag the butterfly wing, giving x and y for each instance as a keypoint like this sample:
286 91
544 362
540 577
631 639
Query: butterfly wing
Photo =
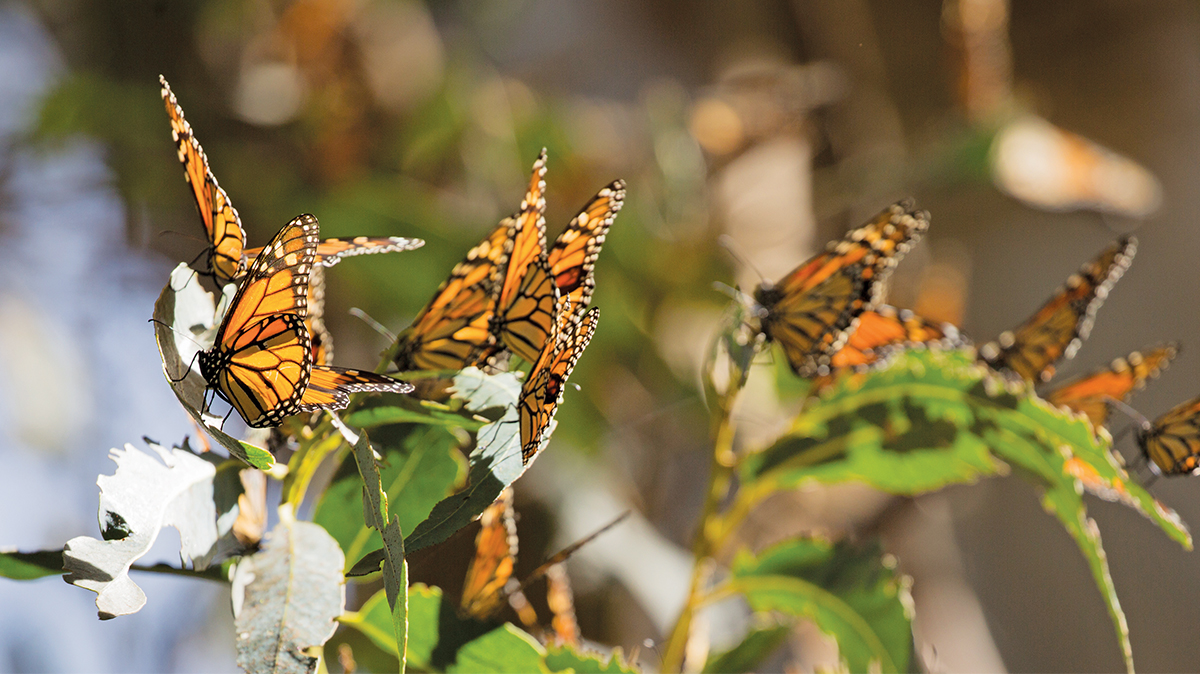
262 357
525 290
332 251
329 387
222 225
1172 442
495 555
561 600
887 329
814 309
572 259
451 332
543 389
1056 331
1090 393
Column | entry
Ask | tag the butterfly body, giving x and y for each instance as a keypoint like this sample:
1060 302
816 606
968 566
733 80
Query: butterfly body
262 359
812 311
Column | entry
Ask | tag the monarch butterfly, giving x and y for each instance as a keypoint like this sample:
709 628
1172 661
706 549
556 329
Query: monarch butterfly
543 389
526 292
228 257
262 360
561 600
886 329
1172 442
451 332
489 580
572 259
1090 393
1056 331
222 225
814 309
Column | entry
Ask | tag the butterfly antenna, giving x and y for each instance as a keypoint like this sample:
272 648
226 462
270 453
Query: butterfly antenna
1128 410
734 250
568 551
367 319
163 233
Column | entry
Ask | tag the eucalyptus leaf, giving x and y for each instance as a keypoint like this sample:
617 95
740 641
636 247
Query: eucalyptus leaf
146 493
506 649
495 462
31 565
185 324
425 468
287 598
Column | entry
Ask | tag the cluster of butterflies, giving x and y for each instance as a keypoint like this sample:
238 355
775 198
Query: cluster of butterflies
828 316
511 295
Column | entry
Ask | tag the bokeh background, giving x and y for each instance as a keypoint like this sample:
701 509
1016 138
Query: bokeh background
1034 132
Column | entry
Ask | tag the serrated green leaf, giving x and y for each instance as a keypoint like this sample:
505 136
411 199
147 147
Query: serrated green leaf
422 471
1065 503
568 659
506 649
851 593
758 644
32 565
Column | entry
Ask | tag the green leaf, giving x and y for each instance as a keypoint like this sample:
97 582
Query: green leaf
918 425
1065 503
184 308
495 462
566 659
429 412
758 644
287 598
33 565
375 621
934 418
506 649
853 594
425 468
375 512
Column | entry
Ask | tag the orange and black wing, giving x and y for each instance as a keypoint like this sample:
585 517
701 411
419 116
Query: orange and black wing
1091 393
222 225
543 389
329 387
812 311
561 600
886 329
1057 330
451 332
332 251
262 357
1172 442
572 258
526 292
495 555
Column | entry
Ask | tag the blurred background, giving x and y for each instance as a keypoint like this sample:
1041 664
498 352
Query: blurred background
1034 132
